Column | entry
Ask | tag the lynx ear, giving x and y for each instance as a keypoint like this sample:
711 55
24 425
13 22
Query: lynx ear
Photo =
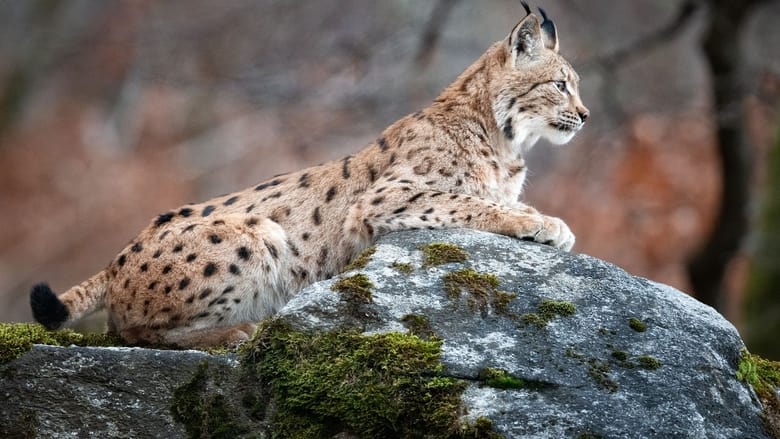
549 32
525 40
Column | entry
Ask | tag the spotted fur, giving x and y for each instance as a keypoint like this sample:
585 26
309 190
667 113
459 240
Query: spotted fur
203 274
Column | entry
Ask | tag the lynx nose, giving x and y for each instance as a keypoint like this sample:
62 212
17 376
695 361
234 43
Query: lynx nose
584 113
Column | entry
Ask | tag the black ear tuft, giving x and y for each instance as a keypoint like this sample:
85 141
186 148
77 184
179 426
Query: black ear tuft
47 308
548 29
544 14
527 8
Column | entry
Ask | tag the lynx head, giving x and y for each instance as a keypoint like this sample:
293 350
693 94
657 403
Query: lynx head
537 93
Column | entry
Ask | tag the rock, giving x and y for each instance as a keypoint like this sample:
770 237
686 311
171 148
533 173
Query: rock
74 392
670 374
533 342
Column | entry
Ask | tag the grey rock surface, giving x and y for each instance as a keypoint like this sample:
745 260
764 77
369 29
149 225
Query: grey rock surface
84 392
587 373
586 370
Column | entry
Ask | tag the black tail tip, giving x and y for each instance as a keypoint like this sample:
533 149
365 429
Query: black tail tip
47 309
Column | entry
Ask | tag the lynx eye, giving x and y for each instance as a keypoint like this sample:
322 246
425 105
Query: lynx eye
560 85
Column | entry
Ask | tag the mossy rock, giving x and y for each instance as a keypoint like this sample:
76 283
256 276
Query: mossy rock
637 325
500 379
764 377
381 385
204 412
648 362
418 325
547 310
438 253
355 289
18 338
481 289
402 267
361 260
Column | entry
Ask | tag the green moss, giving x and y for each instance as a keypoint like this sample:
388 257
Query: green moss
402 267
418 325
361 260
501 300
622 359
482 289
648 362
380 385
548 310
533 318
637 325
437 253
764 377
599 371
500 379
354 289
204 413
557 308
481 428
619 355
604 331
18 338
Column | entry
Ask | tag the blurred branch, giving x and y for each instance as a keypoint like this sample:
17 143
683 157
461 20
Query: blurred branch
608 64
721 49
647 43
432 32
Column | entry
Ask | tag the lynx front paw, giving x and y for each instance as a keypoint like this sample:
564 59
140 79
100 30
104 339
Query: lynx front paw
551 231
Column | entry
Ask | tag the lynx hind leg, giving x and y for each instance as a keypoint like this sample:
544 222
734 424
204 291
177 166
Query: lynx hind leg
187 337
227 275
210 337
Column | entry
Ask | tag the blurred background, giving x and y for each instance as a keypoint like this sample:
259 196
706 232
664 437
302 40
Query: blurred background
114 111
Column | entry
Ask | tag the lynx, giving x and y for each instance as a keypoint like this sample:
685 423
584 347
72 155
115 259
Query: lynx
204 274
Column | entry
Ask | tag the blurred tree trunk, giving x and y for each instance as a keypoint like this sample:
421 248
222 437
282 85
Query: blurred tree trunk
721 49
762 303
21 78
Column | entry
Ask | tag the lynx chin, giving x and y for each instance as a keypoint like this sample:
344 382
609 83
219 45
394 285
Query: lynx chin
204 274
